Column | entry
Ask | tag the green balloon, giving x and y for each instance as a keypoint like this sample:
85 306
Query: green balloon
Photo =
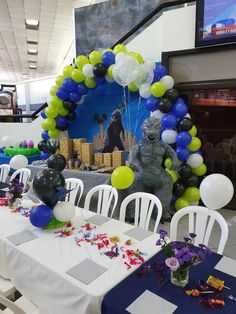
168 162
59 80
192 194
109 71
62 111
51 112
194 145
81 61
53 133
95 57
173 174
56 102
132 87
157 89
181 202
200 171
122 177
53 90
77 76
119 48
67 71
89 82
193 131
48 124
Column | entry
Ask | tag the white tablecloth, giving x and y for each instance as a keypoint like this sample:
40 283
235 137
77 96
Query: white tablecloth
38 268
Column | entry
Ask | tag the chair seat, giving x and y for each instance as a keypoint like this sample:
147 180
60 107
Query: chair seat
6 287
27 306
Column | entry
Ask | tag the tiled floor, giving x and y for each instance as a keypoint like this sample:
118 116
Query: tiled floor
230 217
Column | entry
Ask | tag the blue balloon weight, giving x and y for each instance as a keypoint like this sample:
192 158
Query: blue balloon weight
74 97
43 114
182 153
169 121
183 139
40 216
159 72
82 89
44 155
108 58
45 135
179 109
69 85
62 93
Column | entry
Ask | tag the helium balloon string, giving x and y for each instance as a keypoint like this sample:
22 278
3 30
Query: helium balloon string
129 108
136 120
125 103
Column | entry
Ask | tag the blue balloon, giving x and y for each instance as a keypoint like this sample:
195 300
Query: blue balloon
183 139
169 121
43 114
159 72
45 136
108 58
82 89
44 155
179 109
152 103
61 123
40 216
182 153
74 97
69 85
100 80
62 93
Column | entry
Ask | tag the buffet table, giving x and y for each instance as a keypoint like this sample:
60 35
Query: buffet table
41 267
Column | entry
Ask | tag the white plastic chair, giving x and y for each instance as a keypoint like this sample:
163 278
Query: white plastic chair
4 172
24 176
20 306
201 221
144 205
6 287
107 198
77 187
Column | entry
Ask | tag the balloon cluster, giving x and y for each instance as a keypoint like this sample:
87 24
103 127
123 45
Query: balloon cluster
48 147
49 187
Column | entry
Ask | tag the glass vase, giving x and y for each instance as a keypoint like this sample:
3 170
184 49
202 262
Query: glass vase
14 204
180 277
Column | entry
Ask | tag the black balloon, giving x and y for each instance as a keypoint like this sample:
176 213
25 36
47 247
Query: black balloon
57 162
53 145
172 94
184 124
42 146
69 105
99 70
45 186
185 171
178 188
165 105
71 116
192 181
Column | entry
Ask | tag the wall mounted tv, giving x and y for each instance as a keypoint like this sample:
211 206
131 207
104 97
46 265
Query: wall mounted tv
215 22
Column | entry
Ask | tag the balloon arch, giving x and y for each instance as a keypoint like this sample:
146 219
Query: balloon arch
154 86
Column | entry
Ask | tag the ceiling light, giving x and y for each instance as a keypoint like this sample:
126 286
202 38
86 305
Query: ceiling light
32 51
33 66
32 24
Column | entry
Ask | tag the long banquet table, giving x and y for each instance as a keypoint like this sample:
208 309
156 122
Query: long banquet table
38 267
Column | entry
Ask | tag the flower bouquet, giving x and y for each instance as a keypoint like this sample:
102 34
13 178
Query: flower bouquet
14 194
181 255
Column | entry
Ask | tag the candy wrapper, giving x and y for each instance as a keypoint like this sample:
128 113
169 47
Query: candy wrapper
216 283
3 202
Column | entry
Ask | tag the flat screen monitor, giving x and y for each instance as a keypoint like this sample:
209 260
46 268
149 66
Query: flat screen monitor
215 22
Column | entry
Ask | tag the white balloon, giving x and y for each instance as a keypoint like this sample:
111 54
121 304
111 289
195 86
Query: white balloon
150 65
187 116
64 211
216 191
169 136
120 56
126 70
88 70
144 91
144 76
18 162
158 114
7 141
167 81
195 160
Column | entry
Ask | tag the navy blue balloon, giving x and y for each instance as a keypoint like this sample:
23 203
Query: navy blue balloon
43 114
183 139
74 97
100 80
62 93
82 89
179 108
40 216
159 72
152 103
169 121
108 58
69 85
61 123
44 155
182 153
45 135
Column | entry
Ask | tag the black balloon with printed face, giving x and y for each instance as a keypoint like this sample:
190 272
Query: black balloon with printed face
172 94
178 188
165 105
42 146
184 124
45 186
57 162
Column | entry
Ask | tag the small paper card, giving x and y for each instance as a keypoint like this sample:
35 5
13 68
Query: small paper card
98 219
22 237
138 233
227 265
150 303
86 271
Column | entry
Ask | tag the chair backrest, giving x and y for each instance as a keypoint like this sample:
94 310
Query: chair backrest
107 198
23 175
11 305
144 205
77 187
201 221
4 172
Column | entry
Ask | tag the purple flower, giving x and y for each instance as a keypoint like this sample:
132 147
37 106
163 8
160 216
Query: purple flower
163 233
158 242
181 261
172 263
192 235
187 239
205 248
187 257
179 254
185 250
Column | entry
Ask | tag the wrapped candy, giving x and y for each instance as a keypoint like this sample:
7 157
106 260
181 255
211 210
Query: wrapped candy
216 283
196 293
